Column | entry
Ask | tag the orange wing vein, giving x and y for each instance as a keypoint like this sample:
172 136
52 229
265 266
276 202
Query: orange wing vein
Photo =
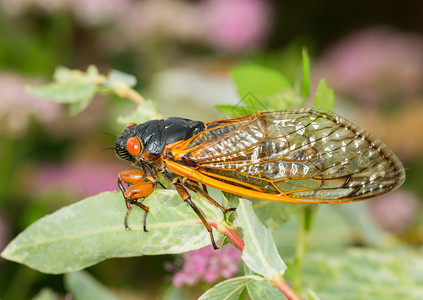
306 155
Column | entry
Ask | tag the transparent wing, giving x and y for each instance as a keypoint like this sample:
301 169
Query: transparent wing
307 155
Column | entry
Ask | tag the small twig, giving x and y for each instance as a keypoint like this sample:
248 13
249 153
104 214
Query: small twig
134 96
125 91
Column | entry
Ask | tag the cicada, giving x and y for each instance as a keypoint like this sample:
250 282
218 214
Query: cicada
305 155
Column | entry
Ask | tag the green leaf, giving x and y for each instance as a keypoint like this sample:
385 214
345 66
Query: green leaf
73 87
64 92
335 228
262 289
259 290
46 294
274 214
305 82
77 107
256 85
365 274
92 230
116 78
83 286
260 253
285 100
229 289
69 76
78 88
325 97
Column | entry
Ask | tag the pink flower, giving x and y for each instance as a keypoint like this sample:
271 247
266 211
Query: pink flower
396 211
236 25
374 65
229 25
208 265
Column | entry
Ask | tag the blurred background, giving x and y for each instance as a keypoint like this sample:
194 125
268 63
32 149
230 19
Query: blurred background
370 53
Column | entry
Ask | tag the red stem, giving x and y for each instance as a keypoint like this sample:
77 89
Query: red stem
281 285
231 234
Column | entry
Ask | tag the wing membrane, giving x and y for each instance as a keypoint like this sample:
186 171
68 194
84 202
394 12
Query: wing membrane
300 156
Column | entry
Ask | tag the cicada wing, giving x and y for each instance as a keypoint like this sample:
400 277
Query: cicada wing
304 155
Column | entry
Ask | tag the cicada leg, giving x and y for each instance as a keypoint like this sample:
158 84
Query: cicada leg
193 186
142 187
187 198
204 188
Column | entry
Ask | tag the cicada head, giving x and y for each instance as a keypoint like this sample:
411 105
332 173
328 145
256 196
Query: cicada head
128 145
141 143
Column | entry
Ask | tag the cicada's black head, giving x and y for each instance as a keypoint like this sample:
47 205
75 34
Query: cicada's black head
146 142
136 140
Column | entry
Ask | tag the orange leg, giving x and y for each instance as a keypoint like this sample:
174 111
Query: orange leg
142 186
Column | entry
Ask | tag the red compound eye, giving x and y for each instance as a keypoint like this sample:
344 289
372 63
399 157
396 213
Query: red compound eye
130 124
133 145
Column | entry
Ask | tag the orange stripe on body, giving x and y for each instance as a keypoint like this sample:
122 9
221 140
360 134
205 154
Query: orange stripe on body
197 176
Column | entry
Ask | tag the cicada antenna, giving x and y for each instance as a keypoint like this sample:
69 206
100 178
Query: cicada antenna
108 133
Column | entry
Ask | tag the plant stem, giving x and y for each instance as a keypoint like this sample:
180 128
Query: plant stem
125 91
281 285
230 232
305 219
300 251
134 96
